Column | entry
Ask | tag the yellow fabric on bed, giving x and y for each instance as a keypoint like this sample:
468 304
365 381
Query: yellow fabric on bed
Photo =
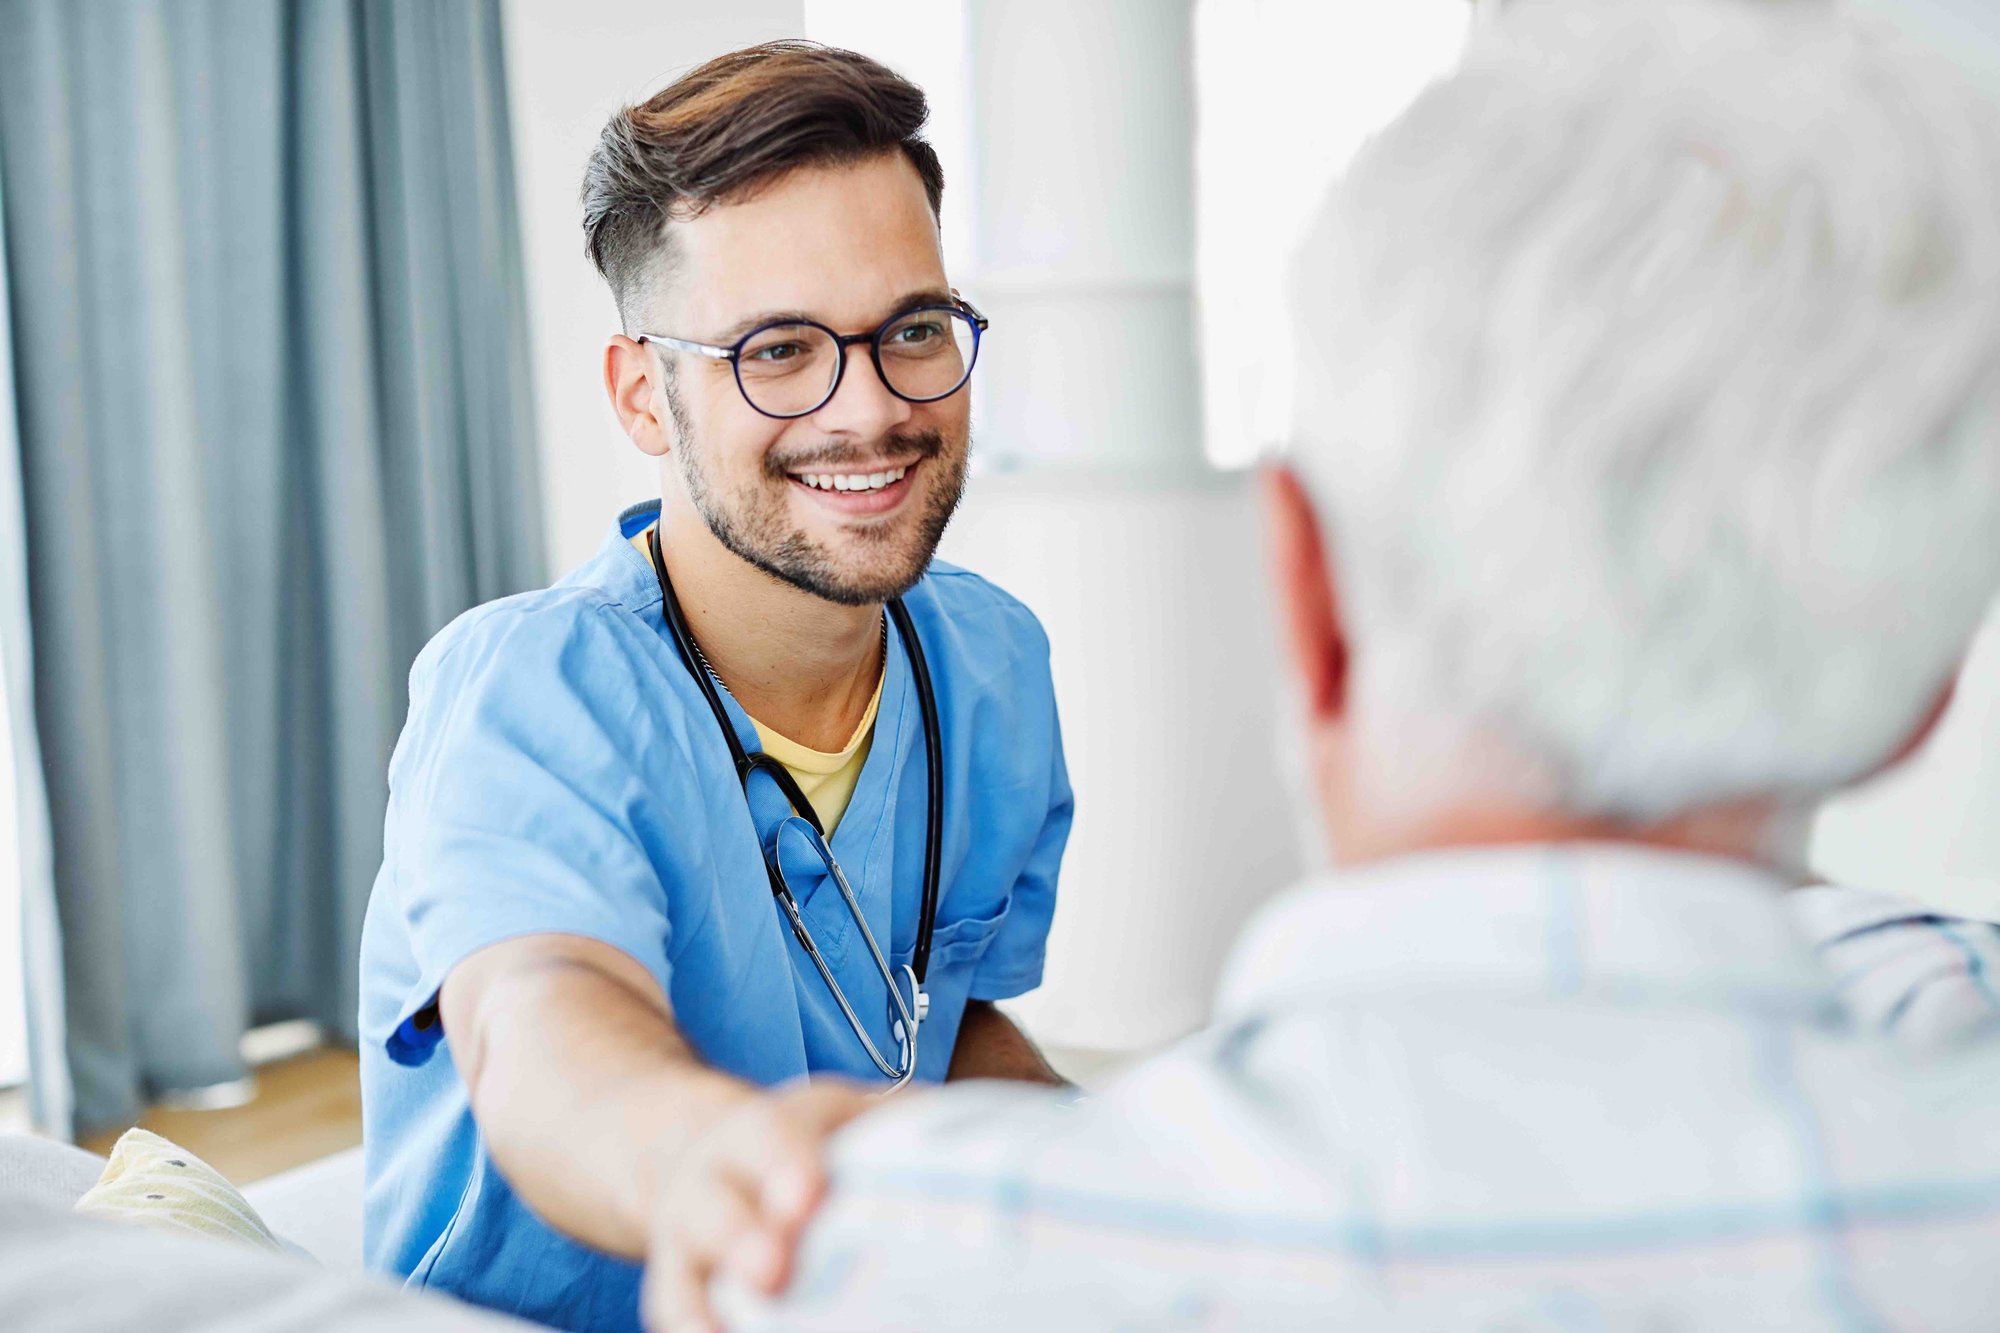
156 1184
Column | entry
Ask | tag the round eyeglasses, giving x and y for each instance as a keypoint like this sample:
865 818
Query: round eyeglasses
791 368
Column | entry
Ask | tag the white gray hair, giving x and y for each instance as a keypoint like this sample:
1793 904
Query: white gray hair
1649 388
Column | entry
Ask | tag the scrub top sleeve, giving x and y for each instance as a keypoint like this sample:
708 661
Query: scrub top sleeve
517 806
1012 963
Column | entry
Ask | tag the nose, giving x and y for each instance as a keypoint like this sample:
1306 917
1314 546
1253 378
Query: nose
862 406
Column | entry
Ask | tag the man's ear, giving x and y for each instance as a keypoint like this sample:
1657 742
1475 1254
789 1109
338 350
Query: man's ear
1307 605
1939 707
631 374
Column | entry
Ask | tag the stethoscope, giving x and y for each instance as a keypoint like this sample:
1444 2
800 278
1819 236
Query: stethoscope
907 1016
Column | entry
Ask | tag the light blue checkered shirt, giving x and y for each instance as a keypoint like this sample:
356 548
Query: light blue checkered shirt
1586 1087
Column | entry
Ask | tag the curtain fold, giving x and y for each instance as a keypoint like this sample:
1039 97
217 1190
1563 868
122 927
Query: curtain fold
274 432
50 1104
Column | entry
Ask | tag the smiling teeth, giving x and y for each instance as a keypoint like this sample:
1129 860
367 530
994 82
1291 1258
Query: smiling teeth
852 481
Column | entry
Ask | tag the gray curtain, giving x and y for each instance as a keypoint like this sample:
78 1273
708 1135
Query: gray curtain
40 958
271 381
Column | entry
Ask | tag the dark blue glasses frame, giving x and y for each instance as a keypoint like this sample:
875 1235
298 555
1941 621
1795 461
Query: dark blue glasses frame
733 353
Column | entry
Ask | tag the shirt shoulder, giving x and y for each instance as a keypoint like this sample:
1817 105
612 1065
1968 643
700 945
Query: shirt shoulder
975 614
565 634
543 664
594 618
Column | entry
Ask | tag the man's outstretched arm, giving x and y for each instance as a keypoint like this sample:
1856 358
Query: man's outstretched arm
611 1128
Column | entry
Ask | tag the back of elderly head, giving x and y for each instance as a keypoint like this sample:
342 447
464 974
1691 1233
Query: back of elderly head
1647 456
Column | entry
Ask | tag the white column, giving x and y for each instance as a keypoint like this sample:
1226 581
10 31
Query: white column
1094 506
1083 136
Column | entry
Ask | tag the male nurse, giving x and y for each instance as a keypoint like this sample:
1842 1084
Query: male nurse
588 1020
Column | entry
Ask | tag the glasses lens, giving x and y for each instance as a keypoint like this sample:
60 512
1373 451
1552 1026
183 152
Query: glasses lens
927 354
787 369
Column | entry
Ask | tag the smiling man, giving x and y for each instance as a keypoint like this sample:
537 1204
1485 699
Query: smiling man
761 791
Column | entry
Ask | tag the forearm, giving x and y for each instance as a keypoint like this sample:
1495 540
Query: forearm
585 1095
990 1046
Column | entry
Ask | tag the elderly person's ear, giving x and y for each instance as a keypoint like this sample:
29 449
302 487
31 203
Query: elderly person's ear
1915 741
1308 607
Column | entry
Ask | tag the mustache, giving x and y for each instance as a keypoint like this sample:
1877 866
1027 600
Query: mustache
915 445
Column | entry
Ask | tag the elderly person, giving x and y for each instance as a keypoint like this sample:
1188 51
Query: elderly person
1647 490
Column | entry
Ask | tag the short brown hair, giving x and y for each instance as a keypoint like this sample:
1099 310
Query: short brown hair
719 131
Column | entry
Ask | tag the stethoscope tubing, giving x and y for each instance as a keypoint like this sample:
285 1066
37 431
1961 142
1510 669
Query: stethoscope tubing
909 1016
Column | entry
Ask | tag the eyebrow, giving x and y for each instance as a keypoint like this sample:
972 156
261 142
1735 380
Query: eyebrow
927 296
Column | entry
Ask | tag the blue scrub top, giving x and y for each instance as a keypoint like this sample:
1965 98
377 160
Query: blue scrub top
560 771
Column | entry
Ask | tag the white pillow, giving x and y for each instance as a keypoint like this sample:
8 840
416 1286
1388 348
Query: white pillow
45 1170
61 1273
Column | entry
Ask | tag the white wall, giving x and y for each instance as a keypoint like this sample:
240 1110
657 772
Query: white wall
570 64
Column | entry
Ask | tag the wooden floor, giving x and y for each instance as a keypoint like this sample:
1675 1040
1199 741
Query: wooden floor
305 1108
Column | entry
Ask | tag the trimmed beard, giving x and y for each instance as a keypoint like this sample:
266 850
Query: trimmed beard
756 533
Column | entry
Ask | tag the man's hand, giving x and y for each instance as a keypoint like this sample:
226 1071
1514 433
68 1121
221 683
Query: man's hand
738 1198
